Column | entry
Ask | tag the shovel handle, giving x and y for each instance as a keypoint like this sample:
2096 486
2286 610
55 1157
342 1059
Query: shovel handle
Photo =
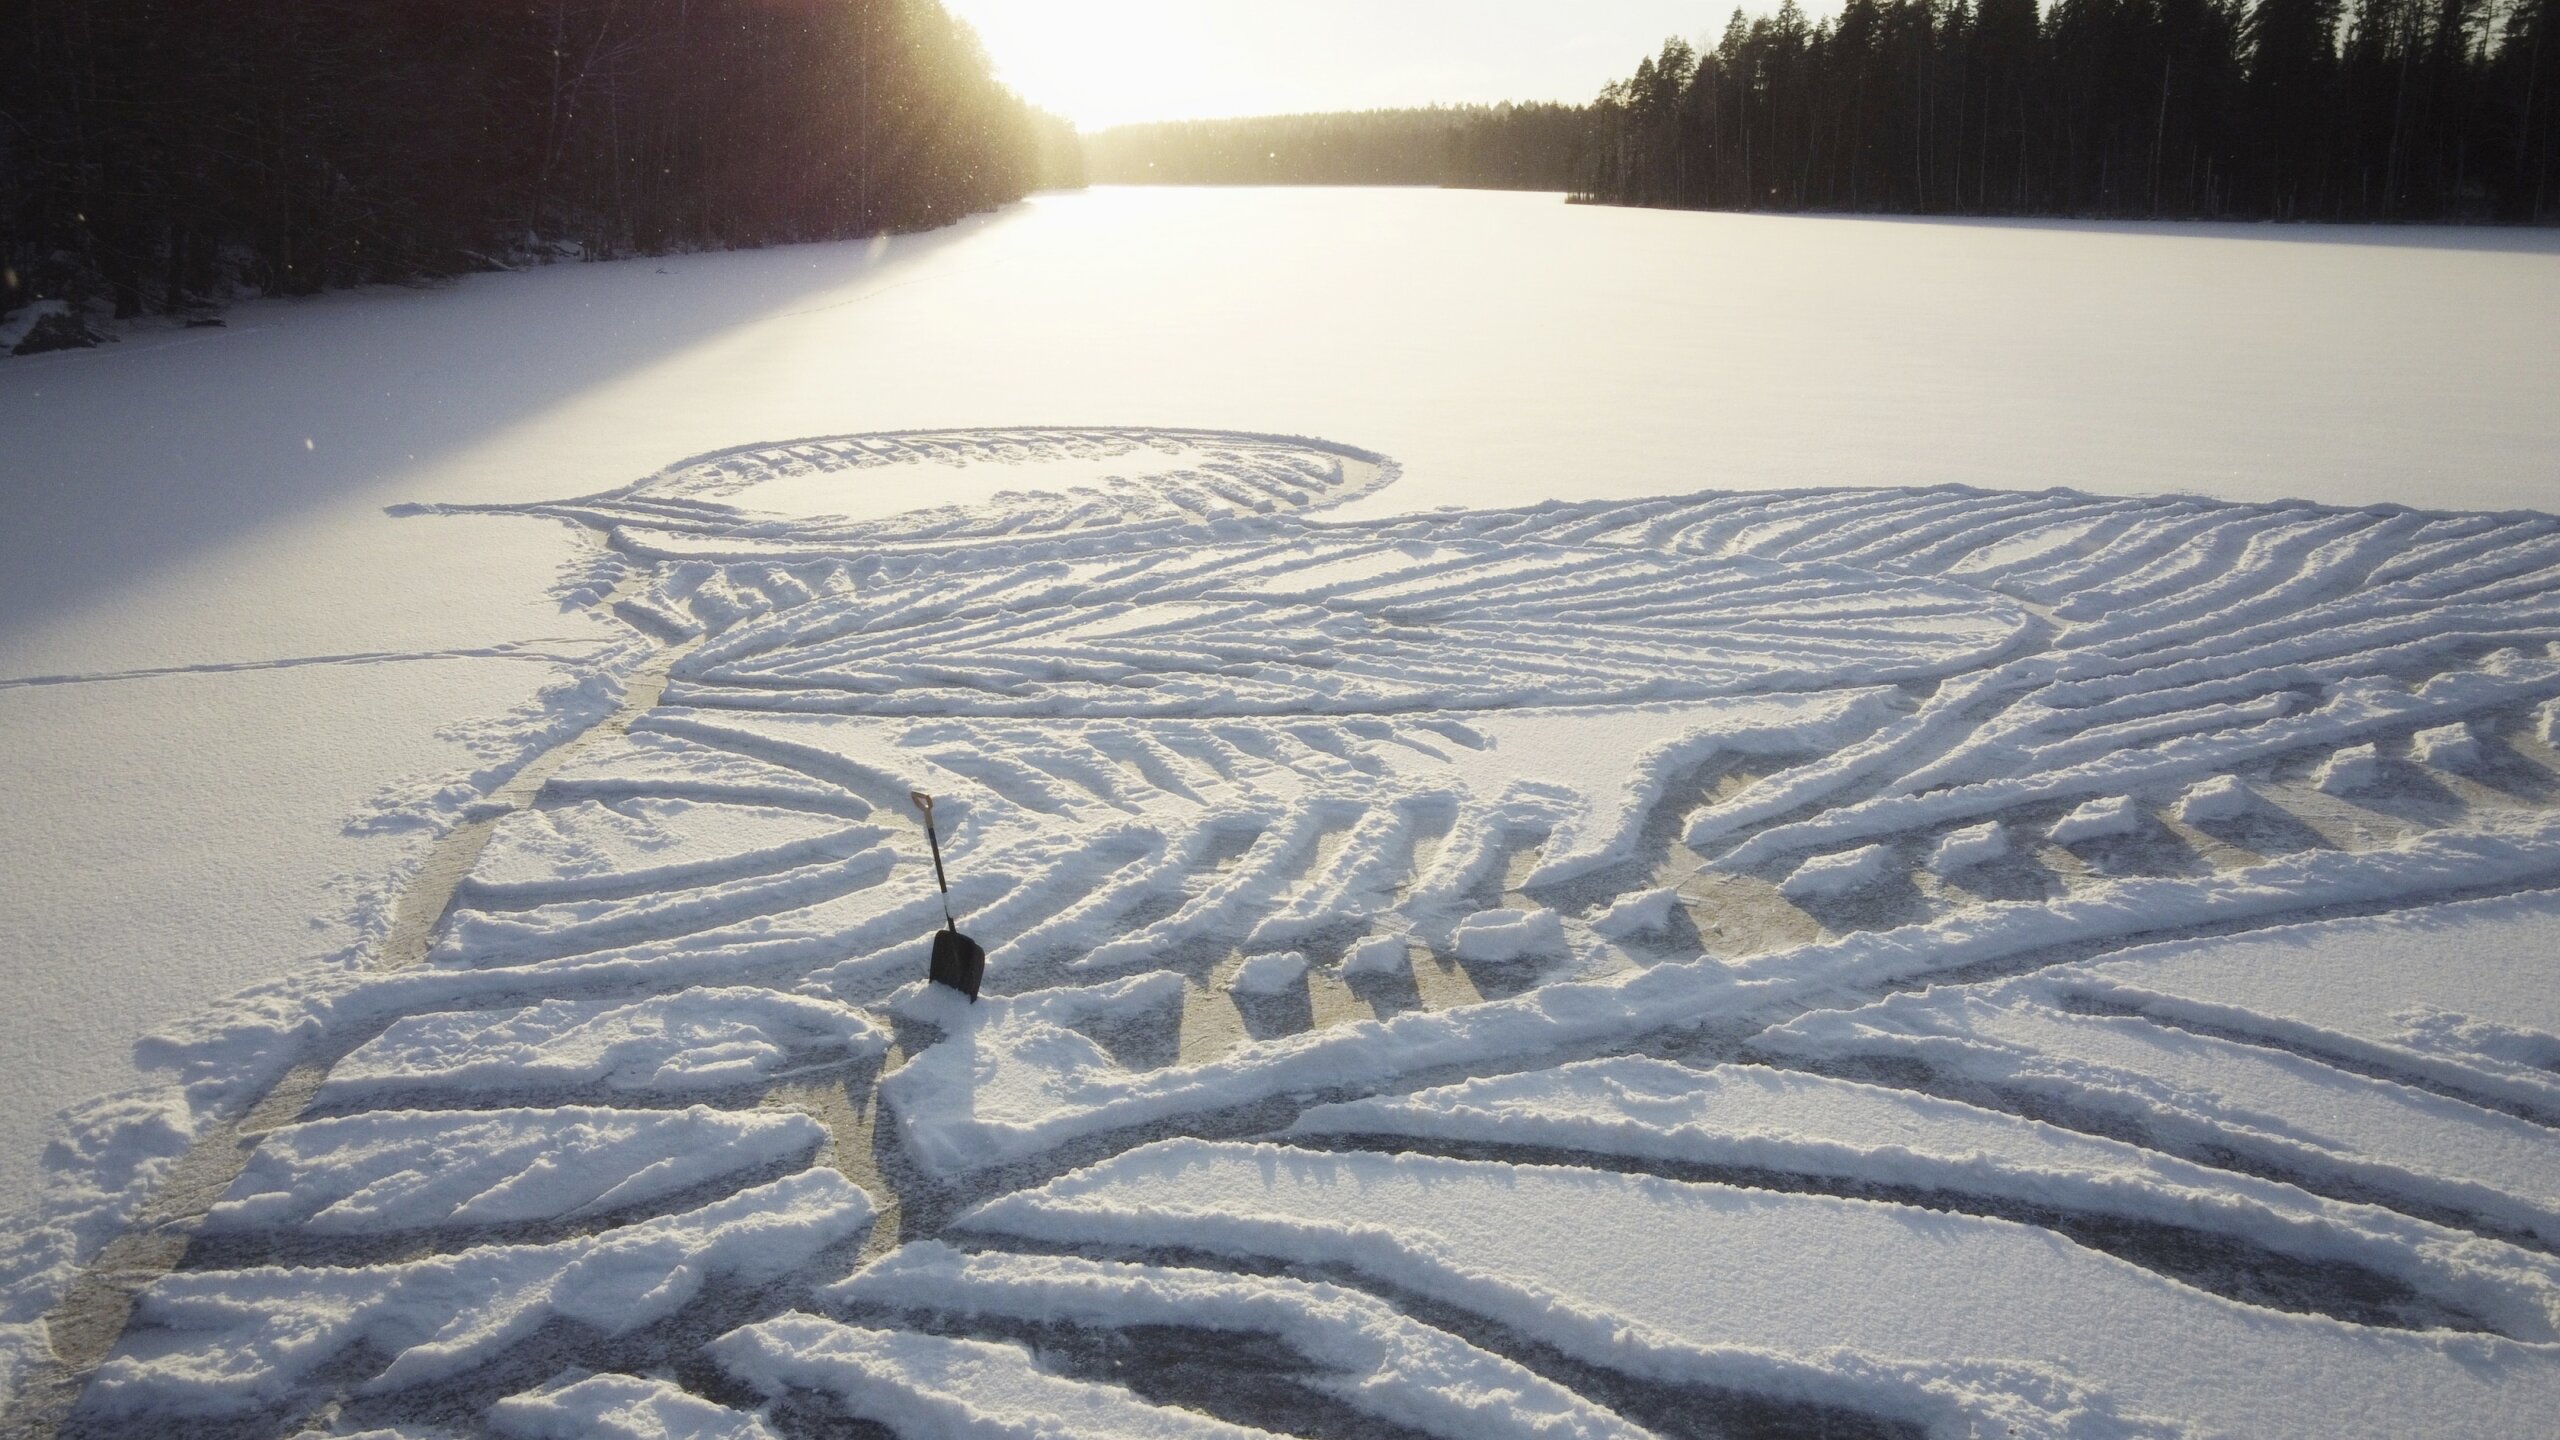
924 802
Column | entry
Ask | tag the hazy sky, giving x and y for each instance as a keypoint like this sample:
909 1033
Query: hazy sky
1107 62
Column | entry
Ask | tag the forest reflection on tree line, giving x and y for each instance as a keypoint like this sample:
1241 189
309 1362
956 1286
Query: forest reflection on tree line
162 156
2229 109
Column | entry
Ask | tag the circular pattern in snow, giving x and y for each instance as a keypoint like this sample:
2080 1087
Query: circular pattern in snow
985 482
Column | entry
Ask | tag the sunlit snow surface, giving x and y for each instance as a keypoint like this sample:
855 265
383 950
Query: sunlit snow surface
1460 974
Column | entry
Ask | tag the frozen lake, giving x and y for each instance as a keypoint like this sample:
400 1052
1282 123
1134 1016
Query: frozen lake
239 700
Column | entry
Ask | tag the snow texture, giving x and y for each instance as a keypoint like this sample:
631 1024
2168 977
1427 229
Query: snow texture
969 1389
1646 912
1382 1363
402 1170
2106 819
2357 767
1377 955
1273 807
621 1407
230 1341
1827 877
2447 747
1973 845
699 1039
1756 1118
1803 1293
1499 935
2337 1130
2222 798
1269 974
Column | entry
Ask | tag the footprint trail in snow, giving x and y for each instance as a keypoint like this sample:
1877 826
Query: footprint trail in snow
1906 961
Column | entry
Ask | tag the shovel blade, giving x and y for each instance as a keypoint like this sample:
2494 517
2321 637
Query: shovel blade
958 962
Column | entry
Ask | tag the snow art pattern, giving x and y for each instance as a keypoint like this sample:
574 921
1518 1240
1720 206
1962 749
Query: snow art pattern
1907 961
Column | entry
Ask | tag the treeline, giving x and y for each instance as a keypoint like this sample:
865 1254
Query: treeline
2252 109
160 152
1499 147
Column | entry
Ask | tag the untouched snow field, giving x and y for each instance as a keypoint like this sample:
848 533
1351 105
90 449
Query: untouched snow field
1462 931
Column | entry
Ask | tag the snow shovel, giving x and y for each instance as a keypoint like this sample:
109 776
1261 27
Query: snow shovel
958 961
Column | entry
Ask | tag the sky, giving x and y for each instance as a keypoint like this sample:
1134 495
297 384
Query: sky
1111 62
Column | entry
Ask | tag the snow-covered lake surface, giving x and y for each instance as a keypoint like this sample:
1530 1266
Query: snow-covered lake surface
1420 790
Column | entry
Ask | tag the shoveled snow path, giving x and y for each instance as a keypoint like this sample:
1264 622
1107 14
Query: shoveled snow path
1257 810
1573 1255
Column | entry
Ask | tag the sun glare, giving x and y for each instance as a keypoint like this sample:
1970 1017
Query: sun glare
1112 62
1125 60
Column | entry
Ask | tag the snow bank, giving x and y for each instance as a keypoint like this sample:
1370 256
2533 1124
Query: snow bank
620 1407
1799 1297
1962 850
2357 767
2447 747
106 1158
2203 1094
1008 1068
405 1170
1053 1087
1269 974
1382 1363
927 1385
699 1039
2459 996
1379 955
1828 877
226 1341
1755 1118
2105 819
1500 935
2224 797
1645 912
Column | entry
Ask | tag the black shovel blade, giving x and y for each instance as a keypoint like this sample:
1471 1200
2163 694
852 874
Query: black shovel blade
958 962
